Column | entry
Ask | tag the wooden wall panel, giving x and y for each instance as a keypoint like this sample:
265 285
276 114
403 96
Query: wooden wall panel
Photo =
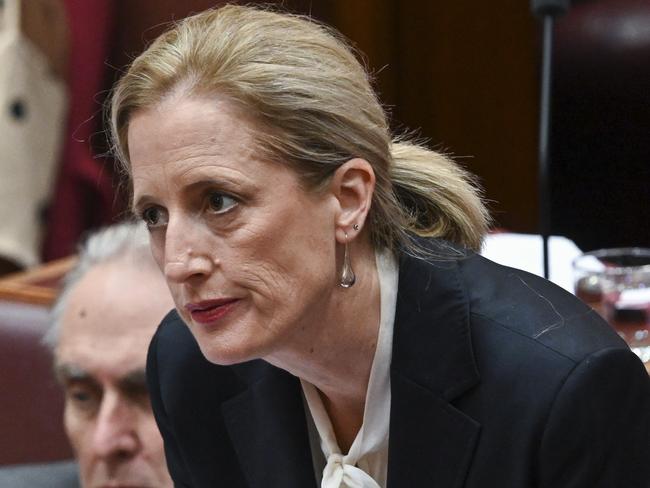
463 74
369 25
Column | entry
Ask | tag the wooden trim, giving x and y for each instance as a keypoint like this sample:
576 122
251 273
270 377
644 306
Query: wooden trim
39 285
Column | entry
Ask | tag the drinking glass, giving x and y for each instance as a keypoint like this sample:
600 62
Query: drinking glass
616 283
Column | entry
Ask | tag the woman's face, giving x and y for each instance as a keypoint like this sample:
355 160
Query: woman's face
249 257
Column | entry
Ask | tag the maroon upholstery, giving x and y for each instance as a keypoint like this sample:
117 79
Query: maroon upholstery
31 403
84 194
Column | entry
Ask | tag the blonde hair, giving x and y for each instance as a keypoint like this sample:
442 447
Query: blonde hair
316 110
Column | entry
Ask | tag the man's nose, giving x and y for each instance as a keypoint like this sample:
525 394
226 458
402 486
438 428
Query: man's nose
116 433
185 253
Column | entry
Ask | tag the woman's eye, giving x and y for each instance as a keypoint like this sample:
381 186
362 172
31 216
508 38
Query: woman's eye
220 203
153 217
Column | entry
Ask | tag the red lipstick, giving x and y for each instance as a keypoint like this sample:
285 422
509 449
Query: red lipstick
210 311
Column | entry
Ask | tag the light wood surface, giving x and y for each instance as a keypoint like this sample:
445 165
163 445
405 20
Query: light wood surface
39 285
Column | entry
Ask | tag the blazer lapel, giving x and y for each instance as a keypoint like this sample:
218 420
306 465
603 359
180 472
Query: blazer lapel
268 429
431 442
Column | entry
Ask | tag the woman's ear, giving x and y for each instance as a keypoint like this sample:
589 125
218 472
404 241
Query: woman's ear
353 185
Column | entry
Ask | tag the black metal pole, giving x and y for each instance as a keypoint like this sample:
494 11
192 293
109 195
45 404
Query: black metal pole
548 10
544 139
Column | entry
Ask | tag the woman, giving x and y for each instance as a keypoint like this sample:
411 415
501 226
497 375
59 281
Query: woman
332 324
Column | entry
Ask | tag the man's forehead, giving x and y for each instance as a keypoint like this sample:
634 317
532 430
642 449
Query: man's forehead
113 300
109 318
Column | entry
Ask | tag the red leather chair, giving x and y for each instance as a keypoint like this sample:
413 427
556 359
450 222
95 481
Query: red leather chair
31 402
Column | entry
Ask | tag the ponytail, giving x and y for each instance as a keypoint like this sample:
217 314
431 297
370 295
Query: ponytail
437 197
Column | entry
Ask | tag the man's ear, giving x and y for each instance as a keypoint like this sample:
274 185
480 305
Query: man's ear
353 185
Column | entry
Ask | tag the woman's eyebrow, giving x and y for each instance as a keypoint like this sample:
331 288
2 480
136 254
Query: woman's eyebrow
217 182
140 203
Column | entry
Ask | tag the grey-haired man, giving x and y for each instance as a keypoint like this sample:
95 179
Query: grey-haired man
103 321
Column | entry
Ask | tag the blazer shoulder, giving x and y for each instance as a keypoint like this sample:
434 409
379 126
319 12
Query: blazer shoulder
534 309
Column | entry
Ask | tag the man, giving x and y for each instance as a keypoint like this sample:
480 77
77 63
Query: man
110 306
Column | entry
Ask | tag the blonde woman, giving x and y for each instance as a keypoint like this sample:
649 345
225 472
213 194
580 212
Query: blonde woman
333 325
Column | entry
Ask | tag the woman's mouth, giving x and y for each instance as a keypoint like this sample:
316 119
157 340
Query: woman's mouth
210 311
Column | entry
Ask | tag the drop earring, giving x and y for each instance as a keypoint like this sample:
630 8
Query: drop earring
347 274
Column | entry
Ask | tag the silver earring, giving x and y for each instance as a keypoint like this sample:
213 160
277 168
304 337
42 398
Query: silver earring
355 226
347 274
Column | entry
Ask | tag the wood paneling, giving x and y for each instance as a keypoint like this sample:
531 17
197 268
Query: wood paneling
463 75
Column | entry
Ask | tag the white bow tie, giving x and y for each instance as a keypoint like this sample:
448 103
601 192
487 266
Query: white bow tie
338 474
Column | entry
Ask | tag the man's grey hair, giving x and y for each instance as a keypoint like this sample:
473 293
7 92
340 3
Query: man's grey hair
123 240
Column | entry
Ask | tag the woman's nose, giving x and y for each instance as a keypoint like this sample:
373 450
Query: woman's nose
185 256
183 267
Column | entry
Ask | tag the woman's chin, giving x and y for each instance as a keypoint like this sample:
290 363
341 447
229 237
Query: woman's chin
227 356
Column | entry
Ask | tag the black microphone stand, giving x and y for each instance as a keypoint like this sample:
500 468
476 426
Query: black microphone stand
547 10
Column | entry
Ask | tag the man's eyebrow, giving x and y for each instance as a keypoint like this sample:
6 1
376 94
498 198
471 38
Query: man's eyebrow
135 380
66 372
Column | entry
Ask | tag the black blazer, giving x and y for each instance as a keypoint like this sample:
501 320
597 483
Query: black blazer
498 379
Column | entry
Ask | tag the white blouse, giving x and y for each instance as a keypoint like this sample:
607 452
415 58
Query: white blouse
366 463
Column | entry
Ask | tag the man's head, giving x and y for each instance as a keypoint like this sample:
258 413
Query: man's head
103 321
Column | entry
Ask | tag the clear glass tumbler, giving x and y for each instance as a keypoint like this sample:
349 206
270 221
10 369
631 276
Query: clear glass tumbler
616 283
